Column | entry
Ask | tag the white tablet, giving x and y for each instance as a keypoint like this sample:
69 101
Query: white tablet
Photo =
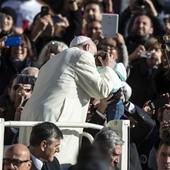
110 24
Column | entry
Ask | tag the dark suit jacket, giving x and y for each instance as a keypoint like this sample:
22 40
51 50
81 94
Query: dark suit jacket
138 135
96 119
54 165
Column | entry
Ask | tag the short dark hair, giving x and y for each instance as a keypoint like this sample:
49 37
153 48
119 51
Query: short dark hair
44 131
164 142
91 159
93 2
138 14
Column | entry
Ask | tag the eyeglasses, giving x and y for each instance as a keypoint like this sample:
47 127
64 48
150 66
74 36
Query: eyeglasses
15 162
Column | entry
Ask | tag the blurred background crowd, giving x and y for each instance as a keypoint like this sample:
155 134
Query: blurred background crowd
141 50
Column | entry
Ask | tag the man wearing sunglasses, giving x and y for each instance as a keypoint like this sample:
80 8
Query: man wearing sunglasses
17 157
19 92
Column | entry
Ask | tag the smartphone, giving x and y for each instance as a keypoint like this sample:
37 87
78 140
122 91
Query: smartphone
110 24
2 19
166 115
56 19
44 11
159 102
13 41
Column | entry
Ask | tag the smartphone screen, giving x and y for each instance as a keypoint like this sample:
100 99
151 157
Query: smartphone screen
56 19
110 24
13 41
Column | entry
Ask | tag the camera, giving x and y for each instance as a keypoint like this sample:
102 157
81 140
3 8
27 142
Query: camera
44 11
102 54
26 79
146 54
140 2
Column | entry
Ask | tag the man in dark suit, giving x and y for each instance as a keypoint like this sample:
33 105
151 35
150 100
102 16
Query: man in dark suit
44 144
140 131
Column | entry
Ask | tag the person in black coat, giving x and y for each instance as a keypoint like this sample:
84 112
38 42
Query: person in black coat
54 165
138 133
13 60
44 144
57 27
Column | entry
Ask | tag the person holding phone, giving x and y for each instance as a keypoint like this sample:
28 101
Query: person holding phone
19 93
163 120
141 74
14 59
56 27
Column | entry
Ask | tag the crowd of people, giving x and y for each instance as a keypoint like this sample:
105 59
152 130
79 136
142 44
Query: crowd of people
56 65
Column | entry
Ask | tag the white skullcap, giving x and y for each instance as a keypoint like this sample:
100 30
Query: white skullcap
78 40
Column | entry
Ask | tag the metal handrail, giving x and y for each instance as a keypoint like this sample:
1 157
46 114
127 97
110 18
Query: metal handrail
4 124
122 125
59 124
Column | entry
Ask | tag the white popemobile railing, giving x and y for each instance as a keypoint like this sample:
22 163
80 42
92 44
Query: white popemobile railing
121 126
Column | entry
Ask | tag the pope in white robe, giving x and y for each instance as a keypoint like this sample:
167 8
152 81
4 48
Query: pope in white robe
63 90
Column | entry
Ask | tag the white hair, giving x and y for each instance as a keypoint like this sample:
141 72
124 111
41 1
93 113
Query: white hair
54 45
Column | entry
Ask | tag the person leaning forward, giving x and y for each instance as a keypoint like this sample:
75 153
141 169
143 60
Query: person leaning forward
63 90
44 144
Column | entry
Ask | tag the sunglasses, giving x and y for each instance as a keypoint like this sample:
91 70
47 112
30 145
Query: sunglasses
17 86
15 162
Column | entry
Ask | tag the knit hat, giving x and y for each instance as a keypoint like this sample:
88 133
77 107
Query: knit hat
78 40
11 12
